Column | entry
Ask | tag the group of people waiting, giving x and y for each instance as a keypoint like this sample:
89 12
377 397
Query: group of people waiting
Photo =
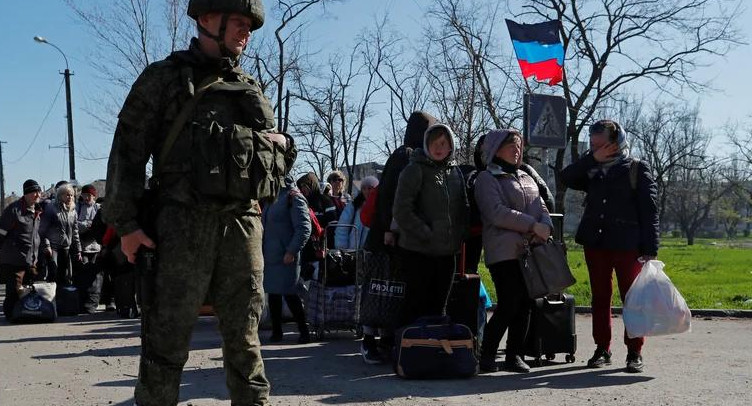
421 211
61 239
424 208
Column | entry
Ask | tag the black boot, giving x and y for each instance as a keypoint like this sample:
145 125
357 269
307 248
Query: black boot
296 308
515 363
275 314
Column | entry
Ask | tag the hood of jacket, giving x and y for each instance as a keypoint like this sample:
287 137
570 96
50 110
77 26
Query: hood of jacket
417 125
422 155
491 143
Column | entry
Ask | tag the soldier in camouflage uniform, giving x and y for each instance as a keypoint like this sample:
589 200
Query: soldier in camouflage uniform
208 181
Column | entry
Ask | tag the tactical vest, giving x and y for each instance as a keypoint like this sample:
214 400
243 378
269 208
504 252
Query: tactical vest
222 149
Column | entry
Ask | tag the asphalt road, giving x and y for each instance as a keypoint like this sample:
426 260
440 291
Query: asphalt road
92 360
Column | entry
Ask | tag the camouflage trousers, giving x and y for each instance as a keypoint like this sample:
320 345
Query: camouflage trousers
198 253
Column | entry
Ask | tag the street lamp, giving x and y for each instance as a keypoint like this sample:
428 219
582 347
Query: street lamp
67 74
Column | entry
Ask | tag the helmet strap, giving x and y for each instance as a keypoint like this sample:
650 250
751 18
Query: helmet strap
220 38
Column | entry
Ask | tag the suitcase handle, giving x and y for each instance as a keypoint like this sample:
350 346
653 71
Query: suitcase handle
554 299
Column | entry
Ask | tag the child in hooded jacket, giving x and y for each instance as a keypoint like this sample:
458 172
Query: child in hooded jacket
431 213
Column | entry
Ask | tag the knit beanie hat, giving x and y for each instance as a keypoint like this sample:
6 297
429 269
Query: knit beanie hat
90 189
31 186
371 181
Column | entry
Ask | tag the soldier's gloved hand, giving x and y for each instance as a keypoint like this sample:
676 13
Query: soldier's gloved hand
278 138
130 243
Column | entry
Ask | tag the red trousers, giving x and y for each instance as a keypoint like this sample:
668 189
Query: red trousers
601 266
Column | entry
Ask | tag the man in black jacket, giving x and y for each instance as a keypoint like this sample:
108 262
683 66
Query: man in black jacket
380 235
19 243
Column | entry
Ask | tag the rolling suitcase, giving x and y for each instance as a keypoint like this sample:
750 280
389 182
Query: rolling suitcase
464 298
552 328
67 300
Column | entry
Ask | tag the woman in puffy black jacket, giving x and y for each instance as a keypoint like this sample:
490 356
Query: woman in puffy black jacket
619 228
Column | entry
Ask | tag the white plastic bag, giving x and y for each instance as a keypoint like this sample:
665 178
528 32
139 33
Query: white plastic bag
653 306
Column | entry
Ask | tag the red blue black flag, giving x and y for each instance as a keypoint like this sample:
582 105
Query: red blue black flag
539 50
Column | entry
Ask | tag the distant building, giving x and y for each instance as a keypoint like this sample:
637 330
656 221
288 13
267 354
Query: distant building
10 199
360 171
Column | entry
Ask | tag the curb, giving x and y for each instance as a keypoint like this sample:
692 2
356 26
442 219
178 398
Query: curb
742 314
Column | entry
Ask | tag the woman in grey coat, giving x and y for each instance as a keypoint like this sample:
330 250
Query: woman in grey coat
287 226
512 212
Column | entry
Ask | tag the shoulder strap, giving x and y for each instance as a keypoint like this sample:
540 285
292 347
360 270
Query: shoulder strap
634 171
180 120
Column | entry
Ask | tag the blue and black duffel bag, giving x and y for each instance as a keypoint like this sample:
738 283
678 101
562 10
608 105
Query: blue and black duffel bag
435 348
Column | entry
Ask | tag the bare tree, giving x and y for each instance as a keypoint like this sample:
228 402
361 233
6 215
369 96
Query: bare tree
469 88
614 43
742 141
126 37
668 137
404 80
699 185
274 61
340 106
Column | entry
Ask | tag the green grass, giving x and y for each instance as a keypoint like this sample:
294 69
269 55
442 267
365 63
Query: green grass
712 274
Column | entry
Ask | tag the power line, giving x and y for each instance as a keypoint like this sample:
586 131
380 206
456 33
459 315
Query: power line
39 130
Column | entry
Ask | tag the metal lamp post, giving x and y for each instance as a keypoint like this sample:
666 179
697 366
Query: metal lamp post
67 74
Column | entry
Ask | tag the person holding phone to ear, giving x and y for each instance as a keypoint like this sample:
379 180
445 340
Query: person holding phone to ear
618 230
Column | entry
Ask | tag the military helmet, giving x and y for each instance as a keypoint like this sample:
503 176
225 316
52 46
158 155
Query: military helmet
252 9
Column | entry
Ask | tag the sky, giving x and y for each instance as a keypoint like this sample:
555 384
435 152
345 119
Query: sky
31 83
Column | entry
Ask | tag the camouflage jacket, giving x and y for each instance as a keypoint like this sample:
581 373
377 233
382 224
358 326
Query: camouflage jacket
154 102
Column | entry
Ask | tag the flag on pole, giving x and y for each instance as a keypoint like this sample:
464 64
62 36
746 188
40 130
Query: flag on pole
539 50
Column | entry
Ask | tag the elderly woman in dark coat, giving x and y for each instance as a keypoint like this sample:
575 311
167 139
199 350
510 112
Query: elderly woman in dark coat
287 226
619 228
58 229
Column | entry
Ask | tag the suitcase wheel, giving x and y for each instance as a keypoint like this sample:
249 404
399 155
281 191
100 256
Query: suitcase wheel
570 358
319 334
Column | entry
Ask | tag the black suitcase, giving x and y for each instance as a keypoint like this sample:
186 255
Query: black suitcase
552 328
67 301
463 305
